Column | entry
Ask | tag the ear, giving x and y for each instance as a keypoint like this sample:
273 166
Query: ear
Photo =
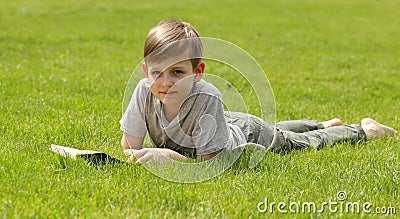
145 69
199 71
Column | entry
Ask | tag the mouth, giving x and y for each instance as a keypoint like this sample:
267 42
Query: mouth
167 93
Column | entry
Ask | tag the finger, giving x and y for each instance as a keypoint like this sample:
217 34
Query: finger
131 158
130 151
138 154
146 158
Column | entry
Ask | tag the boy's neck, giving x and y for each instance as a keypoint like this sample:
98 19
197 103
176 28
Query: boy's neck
170 111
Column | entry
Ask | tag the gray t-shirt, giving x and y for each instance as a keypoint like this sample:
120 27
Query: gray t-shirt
199 129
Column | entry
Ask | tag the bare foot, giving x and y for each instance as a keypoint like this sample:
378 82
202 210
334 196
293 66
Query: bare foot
373 129
332 122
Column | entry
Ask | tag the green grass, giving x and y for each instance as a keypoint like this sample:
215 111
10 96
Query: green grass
63 71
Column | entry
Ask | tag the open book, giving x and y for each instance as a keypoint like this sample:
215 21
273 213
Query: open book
93 157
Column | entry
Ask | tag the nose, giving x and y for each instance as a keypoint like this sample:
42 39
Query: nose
167 79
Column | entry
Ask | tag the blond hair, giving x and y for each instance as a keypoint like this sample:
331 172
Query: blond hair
171 37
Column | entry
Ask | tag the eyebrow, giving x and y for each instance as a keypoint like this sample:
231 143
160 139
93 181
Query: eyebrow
175 66
178 66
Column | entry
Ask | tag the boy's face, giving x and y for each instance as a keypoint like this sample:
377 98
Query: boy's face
171 79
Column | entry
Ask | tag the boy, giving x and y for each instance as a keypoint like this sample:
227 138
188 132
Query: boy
185 117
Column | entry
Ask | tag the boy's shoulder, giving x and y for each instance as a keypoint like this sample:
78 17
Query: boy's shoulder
206 88
143 83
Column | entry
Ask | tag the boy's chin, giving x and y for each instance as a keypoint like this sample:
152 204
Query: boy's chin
165 100
170 101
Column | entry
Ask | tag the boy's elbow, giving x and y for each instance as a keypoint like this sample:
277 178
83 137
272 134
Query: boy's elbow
208 156
124 143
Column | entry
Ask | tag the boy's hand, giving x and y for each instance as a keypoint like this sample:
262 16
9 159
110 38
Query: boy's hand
148 155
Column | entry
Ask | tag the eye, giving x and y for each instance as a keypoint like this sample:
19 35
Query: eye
177 72
155 72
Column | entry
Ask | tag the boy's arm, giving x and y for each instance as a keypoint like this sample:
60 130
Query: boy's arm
161 154
131 142
208 156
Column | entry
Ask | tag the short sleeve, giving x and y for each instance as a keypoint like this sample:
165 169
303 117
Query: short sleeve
133 120
212 132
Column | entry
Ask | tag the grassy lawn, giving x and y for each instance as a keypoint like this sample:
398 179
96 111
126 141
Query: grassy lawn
64 66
